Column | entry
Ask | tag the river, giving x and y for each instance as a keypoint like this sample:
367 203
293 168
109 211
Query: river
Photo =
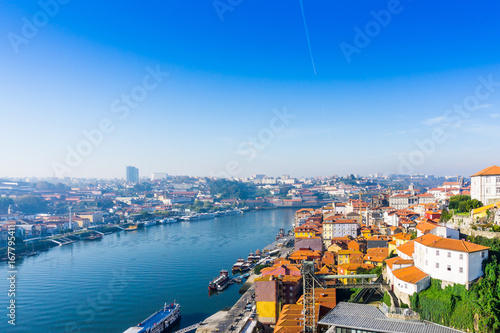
114 283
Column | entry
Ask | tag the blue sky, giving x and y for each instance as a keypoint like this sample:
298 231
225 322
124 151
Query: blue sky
228 77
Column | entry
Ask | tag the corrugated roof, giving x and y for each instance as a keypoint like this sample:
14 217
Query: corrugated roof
368 317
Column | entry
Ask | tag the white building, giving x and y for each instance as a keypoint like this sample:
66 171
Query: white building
159 175
445 232
406 278
449 260
339 228
485 185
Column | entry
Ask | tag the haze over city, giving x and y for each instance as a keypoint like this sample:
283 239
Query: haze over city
360 102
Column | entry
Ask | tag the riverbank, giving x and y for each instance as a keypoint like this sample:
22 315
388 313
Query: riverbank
126 276
238 319
35 246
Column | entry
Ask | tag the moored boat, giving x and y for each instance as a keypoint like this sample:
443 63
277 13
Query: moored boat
93 236
246 266
238 264
168 220
221 282
160 321
131 228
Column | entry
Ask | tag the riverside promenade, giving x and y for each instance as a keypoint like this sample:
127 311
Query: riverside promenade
237 318
234 319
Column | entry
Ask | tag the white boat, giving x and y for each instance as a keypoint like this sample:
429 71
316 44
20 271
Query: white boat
149 223
233 212
168 220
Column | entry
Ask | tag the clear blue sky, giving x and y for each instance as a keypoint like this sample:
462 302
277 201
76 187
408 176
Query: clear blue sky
226 76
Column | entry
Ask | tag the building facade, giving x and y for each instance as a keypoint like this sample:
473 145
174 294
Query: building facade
485 185
132 174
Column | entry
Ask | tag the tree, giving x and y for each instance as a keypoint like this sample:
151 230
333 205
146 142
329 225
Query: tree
228 189
5 202
473 204
445 216
462 207
31 204
456 199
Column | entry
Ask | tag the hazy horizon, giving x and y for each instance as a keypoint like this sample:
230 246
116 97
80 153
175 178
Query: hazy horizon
297 88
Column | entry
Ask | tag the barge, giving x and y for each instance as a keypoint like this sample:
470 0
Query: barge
160 321
221 282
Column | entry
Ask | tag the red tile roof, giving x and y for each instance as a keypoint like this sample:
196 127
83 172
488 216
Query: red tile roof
409 274
490 171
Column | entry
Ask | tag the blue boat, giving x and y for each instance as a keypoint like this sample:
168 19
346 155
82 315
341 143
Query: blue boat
159 321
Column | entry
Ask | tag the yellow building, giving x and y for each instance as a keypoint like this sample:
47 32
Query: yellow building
345 256
366 233
268 298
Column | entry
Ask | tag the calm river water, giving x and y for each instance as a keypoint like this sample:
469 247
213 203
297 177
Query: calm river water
112 284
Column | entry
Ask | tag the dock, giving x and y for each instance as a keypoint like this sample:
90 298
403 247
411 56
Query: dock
63 241
235 319
280 244
188 329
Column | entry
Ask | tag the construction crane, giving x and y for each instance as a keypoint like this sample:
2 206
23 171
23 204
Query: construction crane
309 284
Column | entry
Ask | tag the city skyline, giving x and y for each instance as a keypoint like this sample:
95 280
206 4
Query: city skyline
239 98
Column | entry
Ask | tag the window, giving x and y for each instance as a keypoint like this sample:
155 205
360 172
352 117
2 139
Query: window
461 256
426 250
448 268
460 269
449 254
437 252
437 265
482 254
426 262
498 179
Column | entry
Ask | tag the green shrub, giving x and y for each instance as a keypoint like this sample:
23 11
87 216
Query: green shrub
387 299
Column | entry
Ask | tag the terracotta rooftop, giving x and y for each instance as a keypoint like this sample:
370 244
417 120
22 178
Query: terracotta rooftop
490 171
407 248
398 261
409 274
434 241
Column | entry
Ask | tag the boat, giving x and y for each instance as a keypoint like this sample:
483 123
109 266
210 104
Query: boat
131 228
32 253
191 217
245 276
280 234
233 212
168 220
221 282
238 264
160 321
93 236
149 223
251 257
246 266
